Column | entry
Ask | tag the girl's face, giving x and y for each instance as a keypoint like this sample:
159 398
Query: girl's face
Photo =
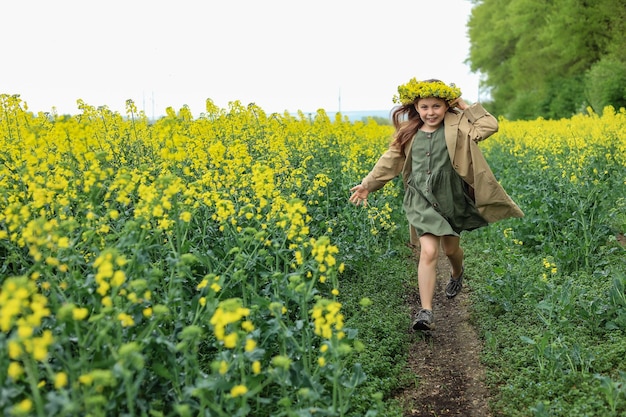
432 111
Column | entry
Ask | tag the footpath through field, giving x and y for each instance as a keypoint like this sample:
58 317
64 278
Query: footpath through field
446 363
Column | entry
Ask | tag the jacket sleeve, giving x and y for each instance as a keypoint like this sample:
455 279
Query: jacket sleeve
387 168
481 123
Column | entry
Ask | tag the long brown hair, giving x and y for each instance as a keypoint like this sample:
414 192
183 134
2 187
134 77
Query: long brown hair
407 121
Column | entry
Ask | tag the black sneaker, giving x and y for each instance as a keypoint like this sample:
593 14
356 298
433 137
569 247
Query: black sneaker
454 285
424 320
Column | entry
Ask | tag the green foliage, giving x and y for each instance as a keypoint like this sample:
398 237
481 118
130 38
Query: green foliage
378 119
605 84
534 54
571 219
564 97
549 294
381 283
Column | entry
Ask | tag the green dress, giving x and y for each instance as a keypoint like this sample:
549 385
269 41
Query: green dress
436 199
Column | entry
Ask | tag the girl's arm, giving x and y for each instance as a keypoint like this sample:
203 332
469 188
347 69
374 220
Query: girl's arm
387 168
481 123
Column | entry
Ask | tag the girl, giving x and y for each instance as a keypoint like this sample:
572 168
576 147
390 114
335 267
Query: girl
448 185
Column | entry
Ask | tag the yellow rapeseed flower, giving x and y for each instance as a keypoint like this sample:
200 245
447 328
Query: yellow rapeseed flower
248 326
202 284
228 312
119 277
256 367
230 340
223 367
60 380
15 370
326 316
126 320
24 406
107 301
250 345
15 349
80 313
24 331
86 379
238 390
41 344
185 216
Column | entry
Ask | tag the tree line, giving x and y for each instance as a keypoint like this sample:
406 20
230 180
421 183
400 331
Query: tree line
549 58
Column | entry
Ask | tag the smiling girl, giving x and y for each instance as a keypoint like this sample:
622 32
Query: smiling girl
449 188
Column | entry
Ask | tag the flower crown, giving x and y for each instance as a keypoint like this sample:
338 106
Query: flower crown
411 91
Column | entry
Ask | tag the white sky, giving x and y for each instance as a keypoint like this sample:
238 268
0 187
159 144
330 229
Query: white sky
283 55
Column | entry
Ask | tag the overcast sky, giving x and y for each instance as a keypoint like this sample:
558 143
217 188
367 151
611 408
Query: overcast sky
283 55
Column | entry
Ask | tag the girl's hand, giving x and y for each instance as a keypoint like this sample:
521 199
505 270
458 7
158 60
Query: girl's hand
460 103
359 195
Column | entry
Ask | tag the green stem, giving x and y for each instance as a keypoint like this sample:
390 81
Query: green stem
130 395
31 370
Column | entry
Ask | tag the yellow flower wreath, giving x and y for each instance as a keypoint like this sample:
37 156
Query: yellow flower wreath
411 91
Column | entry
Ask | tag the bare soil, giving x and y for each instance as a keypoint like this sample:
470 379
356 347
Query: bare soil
449 377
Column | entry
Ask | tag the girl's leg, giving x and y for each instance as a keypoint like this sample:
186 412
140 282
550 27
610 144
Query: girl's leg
454 252
427 269
452 249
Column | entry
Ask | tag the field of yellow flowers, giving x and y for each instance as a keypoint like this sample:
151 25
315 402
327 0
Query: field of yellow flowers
185 265
194 266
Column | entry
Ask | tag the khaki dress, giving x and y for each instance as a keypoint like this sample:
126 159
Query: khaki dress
436 200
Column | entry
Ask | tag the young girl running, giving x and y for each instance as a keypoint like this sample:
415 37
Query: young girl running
449 188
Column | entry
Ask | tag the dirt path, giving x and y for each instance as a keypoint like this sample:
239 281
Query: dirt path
448 372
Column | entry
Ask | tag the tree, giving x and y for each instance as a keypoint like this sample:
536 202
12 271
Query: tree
606 84
534 54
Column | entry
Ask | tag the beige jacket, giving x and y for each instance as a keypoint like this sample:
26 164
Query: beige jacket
463 130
